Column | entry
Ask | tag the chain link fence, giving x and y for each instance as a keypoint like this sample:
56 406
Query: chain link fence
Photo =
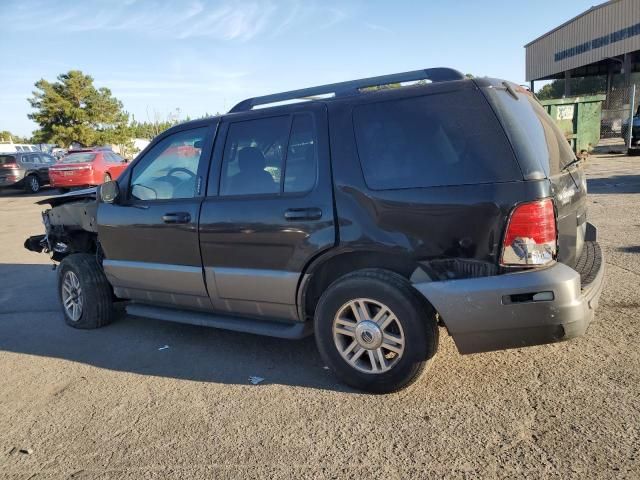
617 111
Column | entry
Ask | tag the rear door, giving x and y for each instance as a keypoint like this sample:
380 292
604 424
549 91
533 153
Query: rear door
268 210
41 166
150 236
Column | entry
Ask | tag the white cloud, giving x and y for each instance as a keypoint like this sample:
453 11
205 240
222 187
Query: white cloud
377 28
223 19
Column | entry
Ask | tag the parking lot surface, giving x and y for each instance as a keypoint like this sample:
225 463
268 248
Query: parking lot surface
143 398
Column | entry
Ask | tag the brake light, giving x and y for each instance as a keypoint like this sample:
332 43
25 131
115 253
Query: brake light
10 165
531 235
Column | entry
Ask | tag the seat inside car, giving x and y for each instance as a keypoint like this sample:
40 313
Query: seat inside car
252 177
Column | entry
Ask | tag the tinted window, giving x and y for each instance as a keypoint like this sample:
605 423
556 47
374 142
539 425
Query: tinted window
7 159
539 143
444 139
79 158
253 156
302 156
170 169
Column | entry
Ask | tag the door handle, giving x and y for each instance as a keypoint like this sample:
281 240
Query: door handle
176 217
294 214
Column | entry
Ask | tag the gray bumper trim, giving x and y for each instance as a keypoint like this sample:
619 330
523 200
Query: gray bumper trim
481 315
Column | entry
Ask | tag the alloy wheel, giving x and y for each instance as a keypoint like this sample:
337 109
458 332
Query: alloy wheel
368 335
72 296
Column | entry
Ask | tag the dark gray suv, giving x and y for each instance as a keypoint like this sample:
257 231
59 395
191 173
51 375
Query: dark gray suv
28 170
369 218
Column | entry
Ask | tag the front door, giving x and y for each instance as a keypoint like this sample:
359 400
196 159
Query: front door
268 210
150 235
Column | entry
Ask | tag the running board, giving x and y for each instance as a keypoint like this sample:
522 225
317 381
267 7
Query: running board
290 331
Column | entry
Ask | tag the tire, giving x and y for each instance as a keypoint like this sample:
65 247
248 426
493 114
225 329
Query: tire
95 298
412 319
32 184
107 178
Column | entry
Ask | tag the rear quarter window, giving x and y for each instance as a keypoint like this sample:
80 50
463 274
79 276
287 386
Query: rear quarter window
538 142
435 140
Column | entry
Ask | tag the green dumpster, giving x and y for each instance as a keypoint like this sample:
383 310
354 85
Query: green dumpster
578 118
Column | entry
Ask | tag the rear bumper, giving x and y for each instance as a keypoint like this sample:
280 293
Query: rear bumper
58 179
517 309
13 179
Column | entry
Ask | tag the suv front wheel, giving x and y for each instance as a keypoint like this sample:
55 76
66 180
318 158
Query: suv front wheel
85 293
374 330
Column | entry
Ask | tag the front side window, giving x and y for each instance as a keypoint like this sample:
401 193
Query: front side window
436 140
170 169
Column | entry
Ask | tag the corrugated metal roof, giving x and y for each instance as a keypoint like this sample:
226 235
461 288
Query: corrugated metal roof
608 30
571 20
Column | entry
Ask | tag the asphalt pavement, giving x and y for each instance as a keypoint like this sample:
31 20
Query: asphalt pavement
150 399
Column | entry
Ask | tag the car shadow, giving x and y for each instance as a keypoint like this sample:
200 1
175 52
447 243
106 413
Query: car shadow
32 323
614 184
18 192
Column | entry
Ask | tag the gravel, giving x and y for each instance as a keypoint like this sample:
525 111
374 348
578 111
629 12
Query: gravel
112 404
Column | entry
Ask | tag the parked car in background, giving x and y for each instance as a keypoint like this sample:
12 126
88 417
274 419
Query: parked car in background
18 147
86 168
28 170
59 153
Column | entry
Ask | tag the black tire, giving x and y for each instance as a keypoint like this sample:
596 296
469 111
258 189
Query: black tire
32 184
414 314
107 178
96 295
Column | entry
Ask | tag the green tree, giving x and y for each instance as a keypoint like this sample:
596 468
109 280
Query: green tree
71 109
6 136
579 86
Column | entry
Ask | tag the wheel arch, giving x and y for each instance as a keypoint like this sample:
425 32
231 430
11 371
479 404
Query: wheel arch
327 268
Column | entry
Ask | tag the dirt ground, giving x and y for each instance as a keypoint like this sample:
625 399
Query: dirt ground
113 404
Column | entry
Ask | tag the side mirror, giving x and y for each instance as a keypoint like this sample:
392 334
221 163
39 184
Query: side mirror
109 192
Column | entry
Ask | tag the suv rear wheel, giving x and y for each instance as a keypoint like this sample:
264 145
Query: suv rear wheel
374 331
32 184
85 293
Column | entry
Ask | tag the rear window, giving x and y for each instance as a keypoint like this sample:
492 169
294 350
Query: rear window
538 142
4 159
79 158
436 140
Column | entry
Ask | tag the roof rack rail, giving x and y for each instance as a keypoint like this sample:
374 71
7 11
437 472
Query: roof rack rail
351 87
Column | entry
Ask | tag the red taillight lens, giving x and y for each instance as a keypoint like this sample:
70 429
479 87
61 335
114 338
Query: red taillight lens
531 236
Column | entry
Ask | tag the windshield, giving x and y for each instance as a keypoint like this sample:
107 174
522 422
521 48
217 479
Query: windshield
4 159
79 158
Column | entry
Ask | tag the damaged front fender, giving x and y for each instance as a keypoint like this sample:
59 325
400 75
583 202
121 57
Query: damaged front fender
70 225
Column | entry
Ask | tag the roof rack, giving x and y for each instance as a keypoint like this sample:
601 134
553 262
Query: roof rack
351 87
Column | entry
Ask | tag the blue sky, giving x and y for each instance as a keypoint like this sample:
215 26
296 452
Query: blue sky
203 56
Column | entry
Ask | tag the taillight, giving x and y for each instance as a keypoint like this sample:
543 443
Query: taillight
9 165
531 237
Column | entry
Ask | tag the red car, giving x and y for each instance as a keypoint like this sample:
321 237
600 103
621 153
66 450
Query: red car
85 168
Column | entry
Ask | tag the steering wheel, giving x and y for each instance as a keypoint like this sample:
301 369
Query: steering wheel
181 170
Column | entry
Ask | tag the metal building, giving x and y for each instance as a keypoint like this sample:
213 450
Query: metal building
604 40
